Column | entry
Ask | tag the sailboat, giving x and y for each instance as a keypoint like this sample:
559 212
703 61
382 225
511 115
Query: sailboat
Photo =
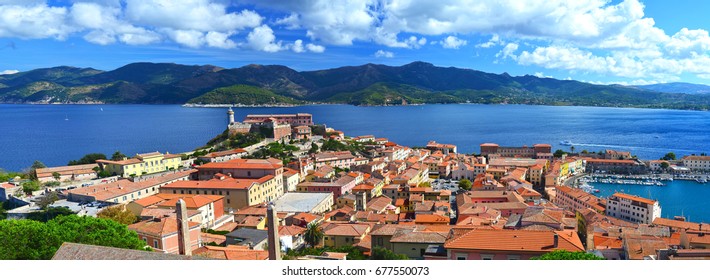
102 109
66 117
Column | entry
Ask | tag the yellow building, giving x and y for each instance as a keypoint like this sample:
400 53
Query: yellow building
142 164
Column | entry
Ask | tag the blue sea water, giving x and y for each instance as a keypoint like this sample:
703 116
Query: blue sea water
56 134
678 198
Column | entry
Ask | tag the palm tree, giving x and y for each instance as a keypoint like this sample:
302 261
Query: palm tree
313 234
572 149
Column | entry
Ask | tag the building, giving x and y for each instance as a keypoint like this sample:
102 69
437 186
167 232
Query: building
337 187
301 132
242 168
292 119
574 199
124 191
253 238
524 151
238 193
410 240
337 235
335 159
223 156
633 208
7 189
231 252
162 234
67 173
141 164
697 163
615 166
501 244
293 202
211 207
444 148
612 154
291 179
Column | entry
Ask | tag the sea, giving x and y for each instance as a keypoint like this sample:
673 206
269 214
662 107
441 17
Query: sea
56 134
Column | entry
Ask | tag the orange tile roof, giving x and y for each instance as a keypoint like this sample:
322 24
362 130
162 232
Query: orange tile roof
227 184
231 253
159 226
291 230
355 230
225 153
431 219
675 224
122 187
270 163
635 198
169 200
515 240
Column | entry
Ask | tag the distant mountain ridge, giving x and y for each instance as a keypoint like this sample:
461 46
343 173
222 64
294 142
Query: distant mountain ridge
678 88
369 84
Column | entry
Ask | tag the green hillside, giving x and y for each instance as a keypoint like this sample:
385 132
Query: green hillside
242 94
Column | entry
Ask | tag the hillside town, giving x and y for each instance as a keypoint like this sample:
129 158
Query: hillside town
309 192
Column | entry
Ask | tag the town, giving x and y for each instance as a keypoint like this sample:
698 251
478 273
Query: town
283 187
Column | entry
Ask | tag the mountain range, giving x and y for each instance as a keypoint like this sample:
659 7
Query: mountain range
369 84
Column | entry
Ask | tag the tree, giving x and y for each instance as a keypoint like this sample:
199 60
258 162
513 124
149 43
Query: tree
47 200
380 253
56 175
103 174
571 148
465 184
567 255
424 185
33 169
88 159
313 149
29 187
313 234
665 165
559 153
585 151
118 214
118 156
669 156
33 240
49 213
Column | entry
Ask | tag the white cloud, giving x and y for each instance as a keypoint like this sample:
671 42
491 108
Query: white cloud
494 41
219 40
8 72
315 48
452 42
262 39
508 51
36 21
385 54
298 46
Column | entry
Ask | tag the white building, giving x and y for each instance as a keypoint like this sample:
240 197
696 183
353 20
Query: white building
697 163
633 208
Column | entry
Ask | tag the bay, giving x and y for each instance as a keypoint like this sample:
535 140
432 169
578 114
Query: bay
677 198
56 134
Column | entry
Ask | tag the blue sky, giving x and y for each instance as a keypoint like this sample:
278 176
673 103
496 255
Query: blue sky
627 42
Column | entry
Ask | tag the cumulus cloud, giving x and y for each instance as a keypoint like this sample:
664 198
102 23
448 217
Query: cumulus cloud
452 42
262 39
8 72
315 48
385 54
494 41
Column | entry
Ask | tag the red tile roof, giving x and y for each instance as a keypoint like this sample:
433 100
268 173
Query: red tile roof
270 163
516 240
159 226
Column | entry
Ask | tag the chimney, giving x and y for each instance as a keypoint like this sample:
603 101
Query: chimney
183 229
684 241
273 233
555 240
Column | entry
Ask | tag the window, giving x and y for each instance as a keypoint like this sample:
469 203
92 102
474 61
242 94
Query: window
487 257
155 244
513 257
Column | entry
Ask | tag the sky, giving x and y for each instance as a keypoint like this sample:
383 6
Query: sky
622 42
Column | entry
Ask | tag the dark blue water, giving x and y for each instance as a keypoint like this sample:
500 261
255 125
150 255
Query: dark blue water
40 132
677 198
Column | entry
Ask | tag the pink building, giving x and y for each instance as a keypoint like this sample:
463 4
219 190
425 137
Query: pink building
292 119
162 234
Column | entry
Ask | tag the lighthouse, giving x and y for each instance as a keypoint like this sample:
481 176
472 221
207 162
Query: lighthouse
230 113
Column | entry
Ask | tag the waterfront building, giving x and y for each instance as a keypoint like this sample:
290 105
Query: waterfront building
502 244
633 208
67 173
124 191
657 165
444 148
612 154
161 234
697 163
238 192
292 119
141 164
616 166
574 199
524 151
